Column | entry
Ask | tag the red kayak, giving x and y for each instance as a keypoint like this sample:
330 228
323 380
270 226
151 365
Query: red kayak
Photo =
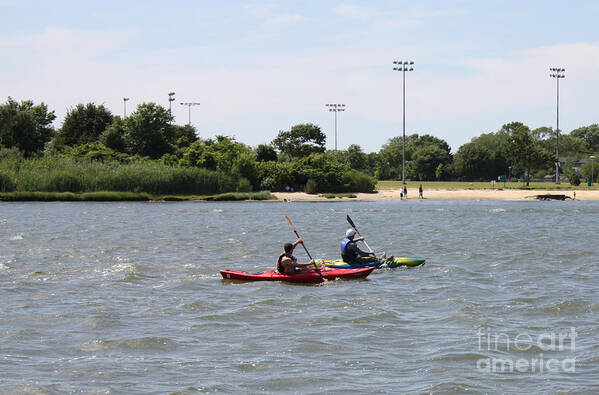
303 277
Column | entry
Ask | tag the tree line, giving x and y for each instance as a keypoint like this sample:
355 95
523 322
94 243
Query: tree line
296 158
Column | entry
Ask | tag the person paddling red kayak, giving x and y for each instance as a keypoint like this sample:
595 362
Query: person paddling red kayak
288 269
288 264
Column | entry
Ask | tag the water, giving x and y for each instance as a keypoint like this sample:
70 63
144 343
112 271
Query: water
127 298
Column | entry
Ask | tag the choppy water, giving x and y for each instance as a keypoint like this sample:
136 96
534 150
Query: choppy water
127 298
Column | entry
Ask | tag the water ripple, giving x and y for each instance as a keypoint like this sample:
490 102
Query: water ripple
127 298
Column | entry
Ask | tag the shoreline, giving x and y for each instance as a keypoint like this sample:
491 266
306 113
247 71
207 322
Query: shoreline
443 194
391 194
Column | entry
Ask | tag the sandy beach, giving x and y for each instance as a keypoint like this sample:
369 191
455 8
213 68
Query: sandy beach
445 194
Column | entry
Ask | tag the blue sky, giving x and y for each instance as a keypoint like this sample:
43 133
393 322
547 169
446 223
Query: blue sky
258 67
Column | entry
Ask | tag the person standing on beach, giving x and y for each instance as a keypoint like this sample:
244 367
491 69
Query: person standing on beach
405 191
420 192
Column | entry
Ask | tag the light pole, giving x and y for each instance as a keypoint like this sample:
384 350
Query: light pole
189 105
171 99
125 100
557 73
335 108
403 66
509 173
592 169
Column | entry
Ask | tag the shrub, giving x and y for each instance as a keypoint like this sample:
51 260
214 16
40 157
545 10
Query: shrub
268 184
359 182
64 182
311 186
244 185
6 183
574 179
232 196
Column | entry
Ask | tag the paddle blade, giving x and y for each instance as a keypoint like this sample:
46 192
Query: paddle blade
351 222
290 223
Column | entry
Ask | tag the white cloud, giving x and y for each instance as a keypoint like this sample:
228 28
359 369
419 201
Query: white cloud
285 19
60 41
401 18
352 11
272 16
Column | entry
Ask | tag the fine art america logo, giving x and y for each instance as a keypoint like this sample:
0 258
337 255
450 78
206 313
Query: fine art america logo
542 352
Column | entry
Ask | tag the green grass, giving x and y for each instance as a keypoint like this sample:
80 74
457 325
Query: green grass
455 185
74 197
338 195
56 174
232 196
125 196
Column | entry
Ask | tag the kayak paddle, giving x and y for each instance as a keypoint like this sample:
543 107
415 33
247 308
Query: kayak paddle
298 236
358 232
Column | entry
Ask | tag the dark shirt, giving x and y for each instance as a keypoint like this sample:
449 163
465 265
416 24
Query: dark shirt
351 250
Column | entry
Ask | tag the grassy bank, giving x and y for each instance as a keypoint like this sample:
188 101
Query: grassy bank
54 174
338 195
126 196
456 185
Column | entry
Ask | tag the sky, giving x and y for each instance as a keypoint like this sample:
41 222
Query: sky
259 67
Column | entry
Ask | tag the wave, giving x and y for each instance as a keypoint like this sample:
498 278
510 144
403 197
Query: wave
466 356
569 306
256 366
125 272
142 343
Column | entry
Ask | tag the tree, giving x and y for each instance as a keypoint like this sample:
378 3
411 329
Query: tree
25 126
301 141
148 131
414 141
391 156
524 152
113 136
590 135
511 127
356 157
426 159
220 154
473 162
83 124
184 135
590 168
569 146
390 159
94 151
266 153
543 133
482 158
371 162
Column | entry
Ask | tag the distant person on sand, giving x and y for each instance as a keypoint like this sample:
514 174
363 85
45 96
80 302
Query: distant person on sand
405 191
401 194
420 192
288 264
